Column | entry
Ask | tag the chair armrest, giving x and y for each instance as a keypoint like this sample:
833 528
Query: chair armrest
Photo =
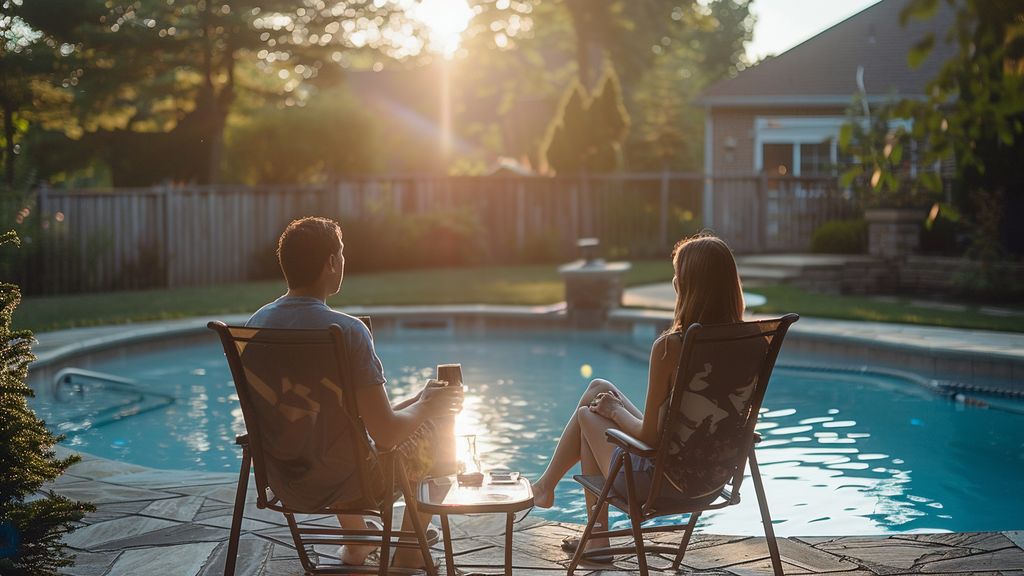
629 444
242 439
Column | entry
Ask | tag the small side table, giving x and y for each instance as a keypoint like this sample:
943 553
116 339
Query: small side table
444 496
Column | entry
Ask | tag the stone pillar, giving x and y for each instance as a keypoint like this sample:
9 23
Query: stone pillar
592 287
893 233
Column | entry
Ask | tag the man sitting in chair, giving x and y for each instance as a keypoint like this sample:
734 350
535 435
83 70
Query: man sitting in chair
310 252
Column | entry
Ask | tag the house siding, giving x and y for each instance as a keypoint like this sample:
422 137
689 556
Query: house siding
738 123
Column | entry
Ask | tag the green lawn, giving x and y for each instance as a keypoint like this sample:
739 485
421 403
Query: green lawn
902 310
529 285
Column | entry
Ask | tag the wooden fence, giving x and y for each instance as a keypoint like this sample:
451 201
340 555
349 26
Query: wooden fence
192 235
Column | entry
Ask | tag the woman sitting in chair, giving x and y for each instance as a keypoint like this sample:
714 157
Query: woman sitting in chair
707 291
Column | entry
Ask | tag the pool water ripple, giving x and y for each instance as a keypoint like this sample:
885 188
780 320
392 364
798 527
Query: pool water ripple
842 453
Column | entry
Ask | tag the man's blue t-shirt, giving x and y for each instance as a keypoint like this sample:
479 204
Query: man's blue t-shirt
307 469
300 312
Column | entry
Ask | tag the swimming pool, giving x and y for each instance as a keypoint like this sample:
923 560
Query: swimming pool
844 453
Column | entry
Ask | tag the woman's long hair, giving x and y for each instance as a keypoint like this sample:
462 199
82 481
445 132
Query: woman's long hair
707 281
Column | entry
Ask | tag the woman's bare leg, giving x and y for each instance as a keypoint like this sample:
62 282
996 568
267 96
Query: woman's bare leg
590 466
569 449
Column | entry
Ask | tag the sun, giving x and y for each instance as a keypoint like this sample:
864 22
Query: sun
447 20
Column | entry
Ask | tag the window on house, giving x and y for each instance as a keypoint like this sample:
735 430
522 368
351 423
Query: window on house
777 159
815 159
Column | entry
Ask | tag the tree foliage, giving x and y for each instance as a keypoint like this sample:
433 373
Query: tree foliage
975 109
32 523
153 81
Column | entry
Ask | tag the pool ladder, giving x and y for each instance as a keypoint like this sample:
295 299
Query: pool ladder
70 383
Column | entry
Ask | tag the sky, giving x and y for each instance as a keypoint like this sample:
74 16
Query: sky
782 24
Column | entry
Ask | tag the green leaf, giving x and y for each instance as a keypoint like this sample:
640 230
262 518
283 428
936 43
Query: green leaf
896 155
845 136
921 50
918 10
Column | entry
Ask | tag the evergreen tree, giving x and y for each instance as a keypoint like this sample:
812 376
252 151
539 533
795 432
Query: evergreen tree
566 137
31 523
609 123
587 133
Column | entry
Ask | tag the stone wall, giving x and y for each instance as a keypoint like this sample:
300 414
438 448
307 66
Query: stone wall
916 274
936 274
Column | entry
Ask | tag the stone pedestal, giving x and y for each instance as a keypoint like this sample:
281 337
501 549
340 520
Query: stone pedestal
893 233
592 289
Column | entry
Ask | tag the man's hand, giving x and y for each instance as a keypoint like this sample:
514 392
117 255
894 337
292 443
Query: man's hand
438 400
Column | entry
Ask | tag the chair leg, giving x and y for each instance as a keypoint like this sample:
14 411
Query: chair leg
300 547
386 514
238 512
601 501
413 511
686 540
635 518
766 518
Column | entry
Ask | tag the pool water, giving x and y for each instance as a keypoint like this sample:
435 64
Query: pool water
843 453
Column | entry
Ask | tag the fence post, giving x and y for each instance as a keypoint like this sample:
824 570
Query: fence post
521 217
708 202
761 221
663 211
165 240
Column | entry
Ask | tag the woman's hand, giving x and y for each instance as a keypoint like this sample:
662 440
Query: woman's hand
606 404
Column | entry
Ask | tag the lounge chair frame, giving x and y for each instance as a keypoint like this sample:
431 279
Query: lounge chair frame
306 537
641 508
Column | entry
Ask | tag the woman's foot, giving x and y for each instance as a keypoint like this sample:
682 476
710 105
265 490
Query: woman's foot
543 497
571 543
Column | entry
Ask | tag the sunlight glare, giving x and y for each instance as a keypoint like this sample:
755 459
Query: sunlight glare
447 20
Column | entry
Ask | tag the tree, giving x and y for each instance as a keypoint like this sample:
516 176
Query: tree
586 135
324 139
25 60
154 80
664 121
31 527
975 111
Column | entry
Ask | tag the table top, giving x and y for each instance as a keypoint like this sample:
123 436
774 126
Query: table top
443 494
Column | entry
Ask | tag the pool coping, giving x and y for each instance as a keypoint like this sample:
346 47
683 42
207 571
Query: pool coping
970 359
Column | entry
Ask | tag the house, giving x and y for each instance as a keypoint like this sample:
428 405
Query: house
783 115
786 111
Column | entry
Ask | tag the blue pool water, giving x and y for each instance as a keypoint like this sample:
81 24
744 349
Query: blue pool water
843 453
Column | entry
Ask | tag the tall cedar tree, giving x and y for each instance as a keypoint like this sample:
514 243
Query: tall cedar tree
586 134
32 522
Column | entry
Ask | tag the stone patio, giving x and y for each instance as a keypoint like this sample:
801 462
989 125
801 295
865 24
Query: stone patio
175 523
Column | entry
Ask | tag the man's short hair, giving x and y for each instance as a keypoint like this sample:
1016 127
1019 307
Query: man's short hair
304 247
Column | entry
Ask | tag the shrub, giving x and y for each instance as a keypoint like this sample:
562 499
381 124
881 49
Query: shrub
31 522
386 240
841 237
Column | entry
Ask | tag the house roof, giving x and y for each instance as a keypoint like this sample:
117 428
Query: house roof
823 70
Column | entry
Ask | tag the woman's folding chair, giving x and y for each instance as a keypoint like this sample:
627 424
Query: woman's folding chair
707 439
308 447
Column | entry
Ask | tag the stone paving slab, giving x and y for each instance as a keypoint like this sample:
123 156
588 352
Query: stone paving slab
184 533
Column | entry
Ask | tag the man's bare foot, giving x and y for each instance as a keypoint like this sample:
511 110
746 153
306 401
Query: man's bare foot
543 497
408 558
355 555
